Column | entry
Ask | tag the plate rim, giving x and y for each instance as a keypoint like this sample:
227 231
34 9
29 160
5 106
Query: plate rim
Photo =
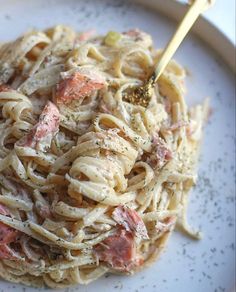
175 10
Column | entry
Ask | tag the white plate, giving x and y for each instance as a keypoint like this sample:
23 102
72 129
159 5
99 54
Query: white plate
186 265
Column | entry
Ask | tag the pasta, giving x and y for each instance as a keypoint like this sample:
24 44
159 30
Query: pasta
89 182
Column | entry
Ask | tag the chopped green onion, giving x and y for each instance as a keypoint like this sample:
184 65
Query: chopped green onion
112 38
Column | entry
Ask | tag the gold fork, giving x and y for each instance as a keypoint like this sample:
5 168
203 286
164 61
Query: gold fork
141 95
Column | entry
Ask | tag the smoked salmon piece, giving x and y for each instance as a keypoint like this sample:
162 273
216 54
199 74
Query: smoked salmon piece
7 236
130 220
4 88
45 129
117 250
77 86
160 153
86 35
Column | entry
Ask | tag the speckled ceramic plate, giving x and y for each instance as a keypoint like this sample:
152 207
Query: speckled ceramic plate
186 265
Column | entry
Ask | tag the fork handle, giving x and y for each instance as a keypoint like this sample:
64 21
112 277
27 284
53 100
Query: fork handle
191 16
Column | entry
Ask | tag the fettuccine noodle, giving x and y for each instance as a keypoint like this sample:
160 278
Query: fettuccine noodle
89 182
